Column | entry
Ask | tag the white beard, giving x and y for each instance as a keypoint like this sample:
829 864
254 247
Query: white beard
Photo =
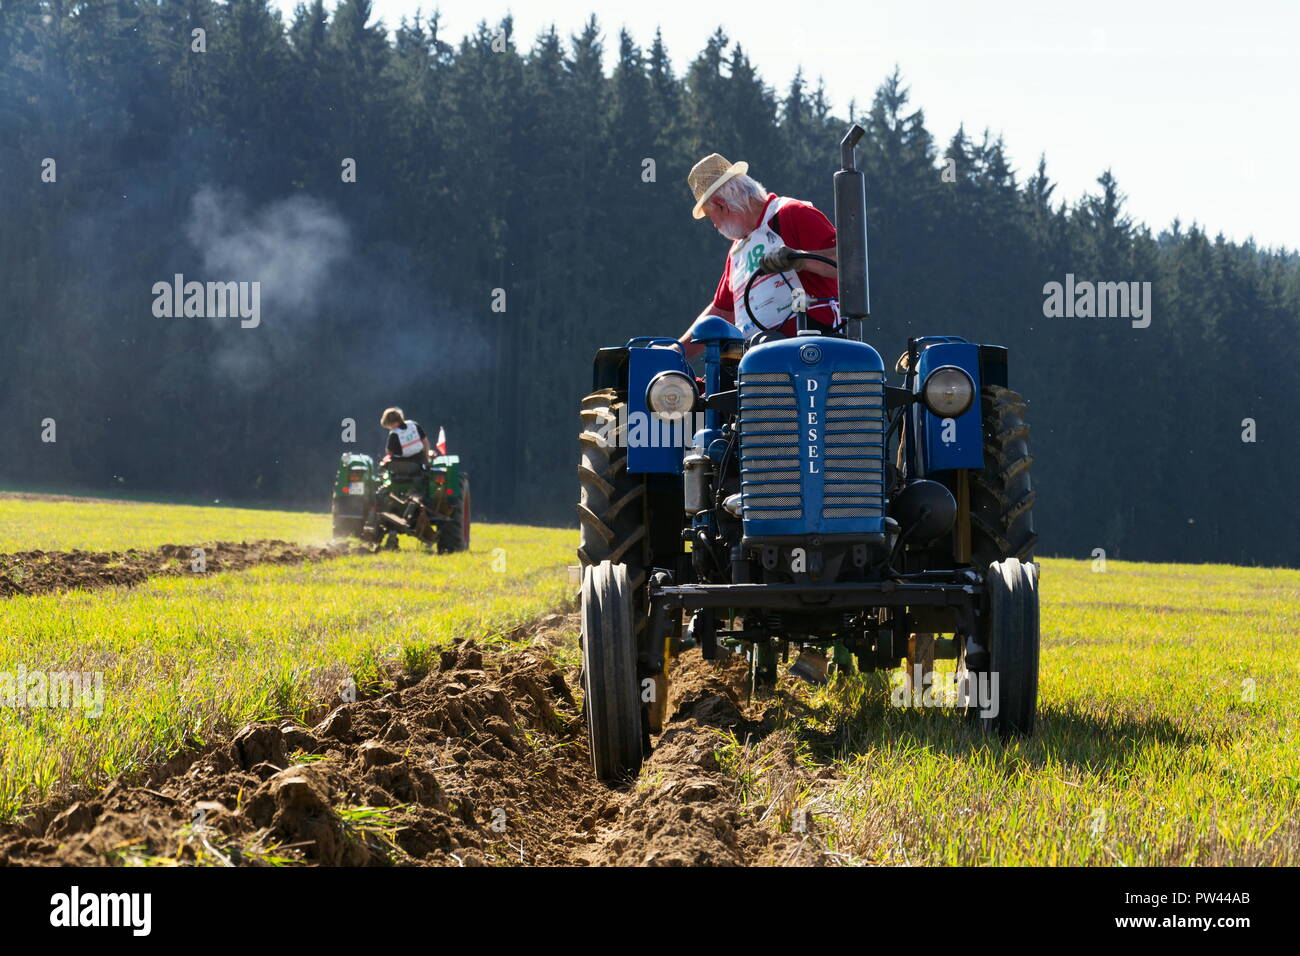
733 229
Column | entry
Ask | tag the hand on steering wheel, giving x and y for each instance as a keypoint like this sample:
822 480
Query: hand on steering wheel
778 260
789 255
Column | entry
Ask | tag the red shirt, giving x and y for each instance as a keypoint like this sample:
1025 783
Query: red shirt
801 225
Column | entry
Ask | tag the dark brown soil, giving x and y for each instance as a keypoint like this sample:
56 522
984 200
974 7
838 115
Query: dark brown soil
480 762
684 810
39 496
38 572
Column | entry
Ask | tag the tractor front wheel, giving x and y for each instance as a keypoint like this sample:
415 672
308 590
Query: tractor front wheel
609 674
612 518
1003 695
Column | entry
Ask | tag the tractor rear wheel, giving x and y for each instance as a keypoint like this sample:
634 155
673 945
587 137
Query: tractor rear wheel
1008 685
609 673
454 533
611 503
1002 496
465 512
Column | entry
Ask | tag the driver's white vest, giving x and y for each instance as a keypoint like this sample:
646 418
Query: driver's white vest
410 438
770 298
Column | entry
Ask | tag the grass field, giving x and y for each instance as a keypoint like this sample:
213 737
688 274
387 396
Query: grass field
1169 735
192 657
1168 728
31 525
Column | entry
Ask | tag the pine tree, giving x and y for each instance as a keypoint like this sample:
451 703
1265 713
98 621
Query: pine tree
481 167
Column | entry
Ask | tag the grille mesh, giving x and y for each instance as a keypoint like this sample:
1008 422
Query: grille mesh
852 431
839 377
853 485
772 488
854 446
769 429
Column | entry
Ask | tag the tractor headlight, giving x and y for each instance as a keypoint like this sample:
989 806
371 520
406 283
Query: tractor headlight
949 391
671 395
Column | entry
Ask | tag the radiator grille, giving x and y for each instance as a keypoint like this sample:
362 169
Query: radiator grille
852 431
769 447
854 450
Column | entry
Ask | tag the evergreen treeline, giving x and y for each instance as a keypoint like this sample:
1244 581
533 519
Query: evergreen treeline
518 163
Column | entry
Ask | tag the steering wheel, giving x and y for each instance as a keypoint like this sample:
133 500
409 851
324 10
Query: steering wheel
750 284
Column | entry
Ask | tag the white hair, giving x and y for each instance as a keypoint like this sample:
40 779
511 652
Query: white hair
742 191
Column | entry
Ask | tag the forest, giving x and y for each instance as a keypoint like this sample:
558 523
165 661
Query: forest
455 224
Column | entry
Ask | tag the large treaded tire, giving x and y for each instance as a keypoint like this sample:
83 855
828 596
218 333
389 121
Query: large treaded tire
454 535
1002 495
1011 636
611 503
466 515
612 516
609 673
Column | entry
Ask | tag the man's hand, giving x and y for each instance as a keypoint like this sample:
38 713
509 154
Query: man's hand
695 348
689 348
778 260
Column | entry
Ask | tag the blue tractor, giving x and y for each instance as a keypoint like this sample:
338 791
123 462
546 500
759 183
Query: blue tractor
798 499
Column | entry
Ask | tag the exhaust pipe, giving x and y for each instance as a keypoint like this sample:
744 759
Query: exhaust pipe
851 234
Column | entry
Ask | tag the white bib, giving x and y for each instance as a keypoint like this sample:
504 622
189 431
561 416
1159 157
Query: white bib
410 438
771 296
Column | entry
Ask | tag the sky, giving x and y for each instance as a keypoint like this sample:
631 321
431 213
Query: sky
1194 105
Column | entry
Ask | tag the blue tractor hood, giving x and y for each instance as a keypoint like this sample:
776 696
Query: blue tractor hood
812 438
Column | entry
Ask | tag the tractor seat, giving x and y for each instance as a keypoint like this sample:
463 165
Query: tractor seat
406 467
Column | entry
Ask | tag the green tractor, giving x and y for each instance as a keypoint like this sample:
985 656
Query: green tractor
376 503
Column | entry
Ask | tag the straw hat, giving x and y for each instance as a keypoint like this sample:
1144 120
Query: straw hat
708 175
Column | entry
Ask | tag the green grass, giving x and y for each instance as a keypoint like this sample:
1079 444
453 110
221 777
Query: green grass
1150 750
30 525
189 658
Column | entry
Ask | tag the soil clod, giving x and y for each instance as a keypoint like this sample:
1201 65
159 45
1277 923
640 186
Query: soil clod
482 761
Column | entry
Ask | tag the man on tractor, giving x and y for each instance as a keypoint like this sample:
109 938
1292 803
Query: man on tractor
407 456
765 230
818 505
